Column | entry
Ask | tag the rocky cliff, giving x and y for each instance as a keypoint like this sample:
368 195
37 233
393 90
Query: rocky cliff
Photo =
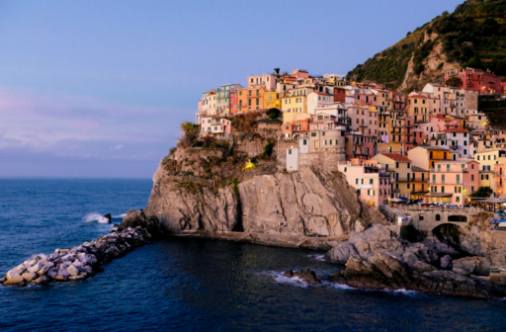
202 191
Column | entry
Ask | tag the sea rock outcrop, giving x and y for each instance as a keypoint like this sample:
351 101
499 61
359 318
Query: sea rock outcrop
309 206
377 258
78 262
307 276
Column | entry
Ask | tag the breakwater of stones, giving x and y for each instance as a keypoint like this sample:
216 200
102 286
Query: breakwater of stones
78 262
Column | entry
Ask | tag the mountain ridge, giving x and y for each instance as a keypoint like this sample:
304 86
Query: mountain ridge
474 35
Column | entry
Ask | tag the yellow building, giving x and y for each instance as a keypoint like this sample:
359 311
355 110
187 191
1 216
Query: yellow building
419 183
271 100
426 156
401 166
294 105
488 159
420 106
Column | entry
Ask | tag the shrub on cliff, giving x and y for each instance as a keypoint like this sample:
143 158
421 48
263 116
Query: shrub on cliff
190 134
274 114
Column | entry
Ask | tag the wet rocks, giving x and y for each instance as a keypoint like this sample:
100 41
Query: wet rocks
78 262
378 258
307 276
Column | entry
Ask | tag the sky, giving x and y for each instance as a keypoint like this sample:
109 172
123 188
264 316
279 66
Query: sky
99 88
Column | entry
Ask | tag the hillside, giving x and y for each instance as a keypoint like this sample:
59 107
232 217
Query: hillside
474 35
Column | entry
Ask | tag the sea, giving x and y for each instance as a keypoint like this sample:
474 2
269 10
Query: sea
191 284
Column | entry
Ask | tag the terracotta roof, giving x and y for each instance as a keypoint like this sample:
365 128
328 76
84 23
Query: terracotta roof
397 157
456 130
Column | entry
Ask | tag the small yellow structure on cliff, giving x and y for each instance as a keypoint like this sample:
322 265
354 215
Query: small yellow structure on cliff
248 166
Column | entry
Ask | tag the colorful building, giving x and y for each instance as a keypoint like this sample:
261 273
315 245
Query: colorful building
488 159
453 181
477 80
418 184
372 182
267 81
294 105
401 168
251 99
426 157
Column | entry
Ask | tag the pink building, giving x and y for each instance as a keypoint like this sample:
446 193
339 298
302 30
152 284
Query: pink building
453 181
477 80
372 182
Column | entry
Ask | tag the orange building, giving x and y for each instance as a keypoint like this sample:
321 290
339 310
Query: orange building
251 99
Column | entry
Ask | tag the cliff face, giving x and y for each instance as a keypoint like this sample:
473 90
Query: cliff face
263 204
474 35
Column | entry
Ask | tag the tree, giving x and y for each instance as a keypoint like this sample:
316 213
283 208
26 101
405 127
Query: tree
190 133
483 192
273 114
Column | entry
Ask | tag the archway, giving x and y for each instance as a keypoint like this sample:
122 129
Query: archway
449 234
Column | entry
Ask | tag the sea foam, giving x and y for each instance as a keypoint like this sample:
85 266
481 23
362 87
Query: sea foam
95 217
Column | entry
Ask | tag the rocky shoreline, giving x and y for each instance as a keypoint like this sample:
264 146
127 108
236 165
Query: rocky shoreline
377 258
79 262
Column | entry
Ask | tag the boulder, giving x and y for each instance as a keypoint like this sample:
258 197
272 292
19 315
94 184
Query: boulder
445 262
73 270
40 280
341 253
13 277
307 275
28 276
472 265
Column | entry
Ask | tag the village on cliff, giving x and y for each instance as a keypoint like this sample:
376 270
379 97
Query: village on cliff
433 146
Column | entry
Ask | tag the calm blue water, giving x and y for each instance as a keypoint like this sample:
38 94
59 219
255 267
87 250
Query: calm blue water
190 284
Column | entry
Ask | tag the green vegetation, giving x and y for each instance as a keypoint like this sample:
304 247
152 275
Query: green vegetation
387 67
483 192
274 114
474 35
190 134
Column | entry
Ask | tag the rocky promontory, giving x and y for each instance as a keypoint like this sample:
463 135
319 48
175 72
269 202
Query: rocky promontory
202 189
